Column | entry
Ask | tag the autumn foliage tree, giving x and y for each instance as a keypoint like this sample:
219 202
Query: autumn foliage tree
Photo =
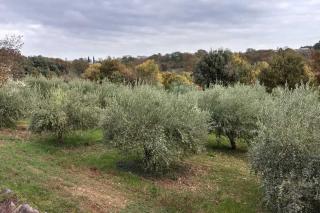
170 79
148 72
110 69
287 67
10 57
240 70
93 72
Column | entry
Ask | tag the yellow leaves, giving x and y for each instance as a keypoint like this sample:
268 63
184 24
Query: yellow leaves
93 72
243 70
169 78
308 72
148 72
258 68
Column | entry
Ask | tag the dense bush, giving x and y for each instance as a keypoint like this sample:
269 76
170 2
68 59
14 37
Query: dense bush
158 127
61 111
234 110
212 68
286 151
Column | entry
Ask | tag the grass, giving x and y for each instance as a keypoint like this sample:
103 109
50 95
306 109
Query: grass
83 175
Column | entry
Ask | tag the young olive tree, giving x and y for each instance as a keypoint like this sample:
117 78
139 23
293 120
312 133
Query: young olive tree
158 127
234 110
12 105
286 151
62 111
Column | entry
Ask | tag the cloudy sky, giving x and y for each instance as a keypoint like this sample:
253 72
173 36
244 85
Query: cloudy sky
79 28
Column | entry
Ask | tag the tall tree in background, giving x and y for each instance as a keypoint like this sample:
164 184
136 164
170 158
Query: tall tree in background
212 68
10 57
287 67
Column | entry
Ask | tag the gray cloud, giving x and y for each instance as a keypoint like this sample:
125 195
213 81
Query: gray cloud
78 28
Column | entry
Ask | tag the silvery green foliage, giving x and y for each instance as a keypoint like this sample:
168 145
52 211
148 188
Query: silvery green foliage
83 86
107 92
181 89
63 110
286 151
12 104
159 127
234 110
44 85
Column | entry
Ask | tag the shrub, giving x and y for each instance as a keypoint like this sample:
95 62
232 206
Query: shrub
159 128
11 105
43 85
234 110
286 151
62 111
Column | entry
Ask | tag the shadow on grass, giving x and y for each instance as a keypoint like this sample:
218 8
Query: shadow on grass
222 145
136 166
71 141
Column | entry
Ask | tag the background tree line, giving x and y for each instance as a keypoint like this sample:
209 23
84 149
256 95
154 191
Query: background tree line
271 68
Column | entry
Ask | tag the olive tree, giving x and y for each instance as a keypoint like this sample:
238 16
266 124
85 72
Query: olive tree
158 127
286 151
62 111
12 105
234 110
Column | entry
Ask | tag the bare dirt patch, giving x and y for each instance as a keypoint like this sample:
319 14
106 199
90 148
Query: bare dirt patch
19 134
189 181
103 199
97 195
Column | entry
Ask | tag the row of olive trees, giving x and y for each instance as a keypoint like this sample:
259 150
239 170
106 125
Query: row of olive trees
160 128
282 129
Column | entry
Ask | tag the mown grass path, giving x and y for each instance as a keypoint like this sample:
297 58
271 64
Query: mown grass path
82 176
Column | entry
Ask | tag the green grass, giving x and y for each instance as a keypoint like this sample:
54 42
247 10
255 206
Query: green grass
83 175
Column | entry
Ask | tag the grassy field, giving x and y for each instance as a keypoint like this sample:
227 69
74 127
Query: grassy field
84 175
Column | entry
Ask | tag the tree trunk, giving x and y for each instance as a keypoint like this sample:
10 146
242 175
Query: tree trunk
147 154
218 136
60 138
232 141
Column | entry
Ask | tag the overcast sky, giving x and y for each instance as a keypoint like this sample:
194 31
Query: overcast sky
80 28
